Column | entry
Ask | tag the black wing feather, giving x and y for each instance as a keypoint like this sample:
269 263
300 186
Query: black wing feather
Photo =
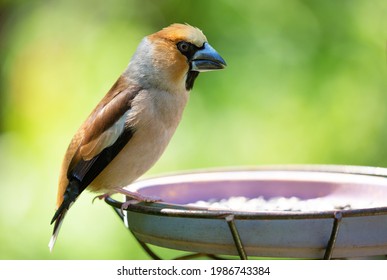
85 171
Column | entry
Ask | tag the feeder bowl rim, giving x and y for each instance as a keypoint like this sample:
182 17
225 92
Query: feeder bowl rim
180 210
176 210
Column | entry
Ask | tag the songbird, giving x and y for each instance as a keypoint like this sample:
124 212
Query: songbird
132 125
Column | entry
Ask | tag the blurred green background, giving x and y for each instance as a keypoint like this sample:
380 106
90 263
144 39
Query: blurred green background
306 83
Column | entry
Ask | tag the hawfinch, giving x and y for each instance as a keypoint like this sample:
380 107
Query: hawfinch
131 126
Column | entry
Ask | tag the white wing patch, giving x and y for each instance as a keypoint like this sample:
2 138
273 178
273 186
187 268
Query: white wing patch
106 139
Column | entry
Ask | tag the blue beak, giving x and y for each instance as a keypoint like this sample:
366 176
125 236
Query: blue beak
207 59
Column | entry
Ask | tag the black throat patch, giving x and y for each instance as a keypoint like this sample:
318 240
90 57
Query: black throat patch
191 77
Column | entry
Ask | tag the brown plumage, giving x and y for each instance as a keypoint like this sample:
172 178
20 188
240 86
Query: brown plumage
131 126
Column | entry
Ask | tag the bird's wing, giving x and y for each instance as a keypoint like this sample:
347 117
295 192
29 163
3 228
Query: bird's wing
94 146
100 138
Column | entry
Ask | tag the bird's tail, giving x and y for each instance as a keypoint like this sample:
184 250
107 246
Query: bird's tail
71 194
58 224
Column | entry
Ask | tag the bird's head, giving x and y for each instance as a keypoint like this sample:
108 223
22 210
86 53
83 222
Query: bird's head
176 55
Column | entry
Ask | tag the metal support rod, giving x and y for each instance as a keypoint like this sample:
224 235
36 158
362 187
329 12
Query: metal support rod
332 240
235 235
116 206
146 248
154 256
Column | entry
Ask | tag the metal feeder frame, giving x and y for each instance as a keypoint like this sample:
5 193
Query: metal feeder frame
231 216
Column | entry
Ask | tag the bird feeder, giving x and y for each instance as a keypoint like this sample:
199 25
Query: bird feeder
355 227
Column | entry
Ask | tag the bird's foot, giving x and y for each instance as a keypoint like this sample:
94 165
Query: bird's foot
137 196
126 204
100 197
134 198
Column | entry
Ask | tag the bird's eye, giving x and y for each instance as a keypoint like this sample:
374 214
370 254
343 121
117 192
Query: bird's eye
183 46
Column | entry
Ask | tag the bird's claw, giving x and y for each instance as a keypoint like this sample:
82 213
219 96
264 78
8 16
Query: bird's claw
126 204
134 198
150 199
137 196
100 197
